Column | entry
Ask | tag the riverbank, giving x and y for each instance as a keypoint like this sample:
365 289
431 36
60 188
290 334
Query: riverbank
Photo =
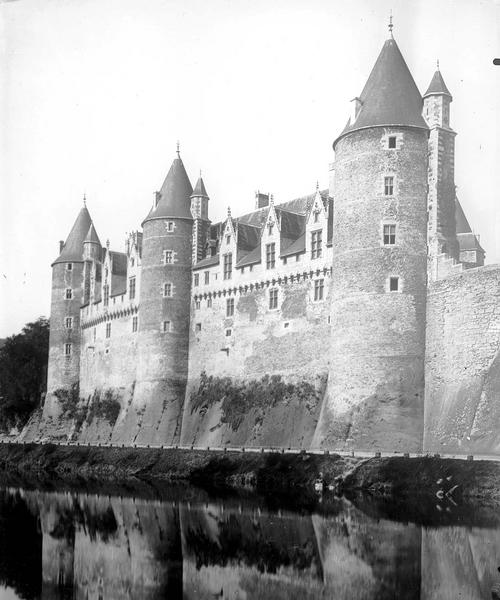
431 476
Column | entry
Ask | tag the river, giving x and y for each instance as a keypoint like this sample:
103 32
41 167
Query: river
181 542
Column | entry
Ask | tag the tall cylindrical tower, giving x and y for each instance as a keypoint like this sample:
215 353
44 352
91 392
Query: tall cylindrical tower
67 296
164 312
374 398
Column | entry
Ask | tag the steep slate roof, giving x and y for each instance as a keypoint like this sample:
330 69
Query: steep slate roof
460 219
467 240
118 273
437 86
174 196
390 96
92 236
73 248
199 189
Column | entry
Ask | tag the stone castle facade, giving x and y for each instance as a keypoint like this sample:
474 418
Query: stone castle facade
359 317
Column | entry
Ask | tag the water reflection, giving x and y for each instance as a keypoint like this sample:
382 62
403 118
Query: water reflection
57 545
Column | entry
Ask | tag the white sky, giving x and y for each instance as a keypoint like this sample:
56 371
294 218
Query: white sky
95 93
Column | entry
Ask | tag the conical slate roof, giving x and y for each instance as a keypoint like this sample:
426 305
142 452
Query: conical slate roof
73 248
460 219
174 196
199 189
390 96
92 236
437 86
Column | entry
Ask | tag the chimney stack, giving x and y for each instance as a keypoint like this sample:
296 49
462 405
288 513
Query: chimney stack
261 200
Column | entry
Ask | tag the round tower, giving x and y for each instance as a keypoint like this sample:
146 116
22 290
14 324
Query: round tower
67 297
374 398
164 313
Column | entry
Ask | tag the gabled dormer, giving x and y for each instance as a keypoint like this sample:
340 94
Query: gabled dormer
133 246
227 248
270 238
316 227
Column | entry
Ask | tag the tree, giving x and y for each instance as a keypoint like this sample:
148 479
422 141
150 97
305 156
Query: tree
23 373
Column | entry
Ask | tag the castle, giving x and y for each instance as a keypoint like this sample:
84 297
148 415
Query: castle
359 317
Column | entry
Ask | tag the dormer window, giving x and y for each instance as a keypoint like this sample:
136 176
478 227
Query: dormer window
316 244
270 256
228 239
270 229
316 216
392 141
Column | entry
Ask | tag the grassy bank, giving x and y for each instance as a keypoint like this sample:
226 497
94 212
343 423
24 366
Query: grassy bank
262 472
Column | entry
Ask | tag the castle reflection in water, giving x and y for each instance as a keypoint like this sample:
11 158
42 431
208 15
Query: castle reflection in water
72 545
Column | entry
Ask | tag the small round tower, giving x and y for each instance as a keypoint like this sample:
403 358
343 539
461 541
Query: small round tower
67 297
374 398
164 312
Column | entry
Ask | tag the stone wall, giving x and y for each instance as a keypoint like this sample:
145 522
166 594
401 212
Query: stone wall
242 404
462 412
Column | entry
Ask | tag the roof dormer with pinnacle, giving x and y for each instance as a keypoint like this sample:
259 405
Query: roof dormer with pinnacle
174 198
390 96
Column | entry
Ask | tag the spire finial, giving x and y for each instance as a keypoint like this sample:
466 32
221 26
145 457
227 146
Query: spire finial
178 149
390 23
437 64
228 212
200 173
317 185
85 199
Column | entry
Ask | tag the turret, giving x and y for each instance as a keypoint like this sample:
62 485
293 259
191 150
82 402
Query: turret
92 251
374 397
442 236
67 297
164 316
201 222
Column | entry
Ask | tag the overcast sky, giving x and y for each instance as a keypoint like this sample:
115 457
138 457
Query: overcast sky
95 93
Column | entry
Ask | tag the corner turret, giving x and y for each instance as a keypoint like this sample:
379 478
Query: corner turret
442 233
199 212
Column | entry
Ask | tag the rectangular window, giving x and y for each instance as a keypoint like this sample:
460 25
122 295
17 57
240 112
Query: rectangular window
285 260
316 241
108 330
316 216
229 307
196 279
105 290
69 294
68 323
394 284
167 290
95 333
319 285
170 226
67 349
197 304
273 299
389 235
134 324
228 266
297 257
131 288
270 228
197 327
209 303
207 277
165 326
388 186
228 239
270 255
392 141
69 266
229 332
168 257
